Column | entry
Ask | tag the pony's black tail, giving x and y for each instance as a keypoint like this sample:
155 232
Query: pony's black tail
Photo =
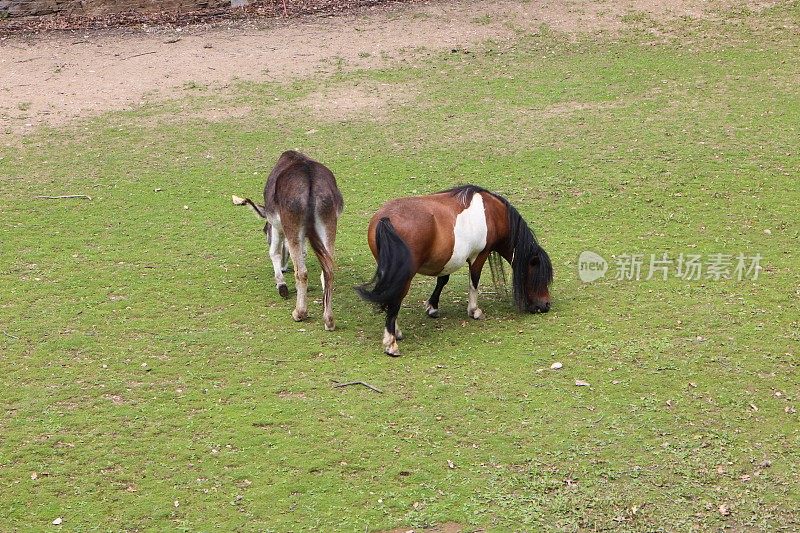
394 270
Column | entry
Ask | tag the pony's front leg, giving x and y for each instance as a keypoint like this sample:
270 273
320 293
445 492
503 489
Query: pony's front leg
277 249
474 279
472 307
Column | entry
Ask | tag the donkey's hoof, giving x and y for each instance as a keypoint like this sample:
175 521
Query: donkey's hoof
298 316
283 290
477 314
330 325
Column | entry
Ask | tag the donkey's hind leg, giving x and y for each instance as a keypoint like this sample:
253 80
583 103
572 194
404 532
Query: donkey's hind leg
295 244
277 246
326 278
284 257
322 240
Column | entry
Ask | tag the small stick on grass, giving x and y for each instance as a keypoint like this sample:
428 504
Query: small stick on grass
367 385
85 196
10 336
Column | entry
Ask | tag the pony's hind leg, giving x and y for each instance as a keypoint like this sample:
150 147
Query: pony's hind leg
432 305
277 246
295 244
390 332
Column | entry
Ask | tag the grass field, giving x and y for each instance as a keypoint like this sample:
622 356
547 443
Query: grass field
152 379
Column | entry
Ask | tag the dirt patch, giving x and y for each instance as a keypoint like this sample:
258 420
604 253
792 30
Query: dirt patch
566 108
220 114
289 395
447 527
116 399
54 78
344 103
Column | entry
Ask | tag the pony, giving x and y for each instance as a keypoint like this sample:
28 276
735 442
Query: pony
437 234
301 200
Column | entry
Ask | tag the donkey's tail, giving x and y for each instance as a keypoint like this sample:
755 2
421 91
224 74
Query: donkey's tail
326 263
394 268
257 209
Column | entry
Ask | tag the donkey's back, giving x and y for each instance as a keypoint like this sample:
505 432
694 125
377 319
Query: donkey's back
298 185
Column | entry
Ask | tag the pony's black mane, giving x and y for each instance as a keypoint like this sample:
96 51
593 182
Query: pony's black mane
522 241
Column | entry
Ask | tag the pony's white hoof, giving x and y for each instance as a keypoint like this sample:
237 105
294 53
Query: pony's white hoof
477 314
298 316
393 350
431 311
330 325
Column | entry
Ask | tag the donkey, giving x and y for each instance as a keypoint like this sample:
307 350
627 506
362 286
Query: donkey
301 200
436 235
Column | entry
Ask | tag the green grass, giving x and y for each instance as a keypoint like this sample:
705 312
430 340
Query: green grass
146 357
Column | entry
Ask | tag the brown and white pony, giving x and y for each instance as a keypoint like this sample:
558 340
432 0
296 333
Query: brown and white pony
435 235
301 201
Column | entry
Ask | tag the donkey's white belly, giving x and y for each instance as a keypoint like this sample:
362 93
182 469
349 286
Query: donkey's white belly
274 220
470 235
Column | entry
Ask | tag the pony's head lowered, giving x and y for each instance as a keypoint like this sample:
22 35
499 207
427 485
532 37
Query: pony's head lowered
533 271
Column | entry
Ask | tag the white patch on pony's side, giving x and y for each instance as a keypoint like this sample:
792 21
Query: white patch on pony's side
470 232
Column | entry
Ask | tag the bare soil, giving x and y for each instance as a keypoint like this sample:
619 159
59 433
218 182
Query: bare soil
56 77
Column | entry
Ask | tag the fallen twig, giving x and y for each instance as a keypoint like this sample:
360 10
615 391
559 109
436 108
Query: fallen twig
10 336
367 385
137 55
86 196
